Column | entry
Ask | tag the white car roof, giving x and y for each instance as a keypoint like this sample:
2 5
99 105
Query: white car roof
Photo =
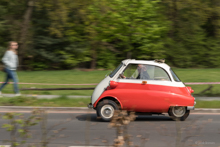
150 62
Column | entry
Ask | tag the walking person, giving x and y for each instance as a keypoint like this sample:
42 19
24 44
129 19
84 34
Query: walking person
10 61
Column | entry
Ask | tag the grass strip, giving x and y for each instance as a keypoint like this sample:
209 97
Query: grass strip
207 104
56 102
82 77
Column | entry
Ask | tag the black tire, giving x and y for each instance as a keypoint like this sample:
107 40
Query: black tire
97 113
105 109
180 117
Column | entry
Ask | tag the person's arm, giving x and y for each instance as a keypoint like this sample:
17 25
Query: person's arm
6 59
122 76
139 76
17 61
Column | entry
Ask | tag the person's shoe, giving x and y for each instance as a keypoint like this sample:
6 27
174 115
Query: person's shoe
17 94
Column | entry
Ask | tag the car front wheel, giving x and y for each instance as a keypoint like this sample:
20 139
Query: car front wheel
106 108
178 113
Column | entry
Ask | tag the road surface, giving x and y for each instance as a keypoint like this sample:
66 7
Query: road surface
84 129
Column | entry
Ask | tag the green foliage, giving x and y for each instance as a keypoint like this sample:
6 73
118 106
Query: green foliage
55 47
106 60
193 37
128 28
18 126
81 33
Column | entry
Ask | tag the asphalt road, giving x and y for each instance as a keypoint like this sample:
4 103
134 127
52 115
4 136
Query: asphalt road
84 129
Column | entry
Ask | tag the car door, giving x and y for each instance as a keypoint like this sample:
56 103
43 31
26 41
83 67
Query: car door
145 88
132 87
159 90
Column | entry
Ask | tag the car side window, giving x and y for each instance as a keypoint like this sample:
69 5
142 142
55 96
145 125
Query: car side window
136 71
144 72
130 72
160 74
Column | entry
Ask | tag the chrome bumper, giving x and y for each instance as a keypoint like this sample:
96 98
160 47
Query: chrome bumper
90 105
190 107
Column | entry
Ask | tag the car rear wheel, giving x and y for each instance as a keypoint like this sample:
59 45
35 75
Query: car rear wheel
106 108
178 113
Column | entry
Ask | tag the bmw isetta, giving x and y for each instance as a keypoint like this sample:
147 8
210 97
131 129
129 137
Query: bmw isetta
145 87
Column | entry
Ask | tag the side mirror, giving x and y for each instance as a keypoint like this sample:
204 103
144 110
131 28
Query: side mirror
113 84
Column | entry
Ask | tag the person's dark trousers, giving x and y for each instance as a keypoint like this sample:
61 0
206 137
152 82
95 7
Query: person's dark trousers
11 74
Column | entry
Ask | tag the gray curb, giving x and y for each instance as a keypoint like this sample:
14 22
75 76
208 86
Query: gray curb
84 109
205 110
29 108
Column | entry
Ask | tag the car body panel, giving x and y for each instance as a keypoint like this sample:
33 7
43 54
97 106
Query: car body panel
144 95
149 98
100 88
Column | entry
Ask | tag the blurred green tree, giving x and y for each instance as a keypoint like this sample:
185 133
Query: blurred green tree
188 41
128 28
17 19
64 34
58 41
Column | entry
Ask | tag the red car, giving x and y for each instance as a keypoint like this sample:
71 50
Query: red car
146 87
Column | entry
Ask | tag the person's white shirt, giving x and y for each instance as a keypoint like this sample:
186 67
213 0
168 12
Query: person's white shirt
10 60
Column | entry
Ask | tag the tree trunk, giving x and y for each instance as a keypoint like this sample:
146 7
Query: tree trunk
24 31
129 55
174 19
94 58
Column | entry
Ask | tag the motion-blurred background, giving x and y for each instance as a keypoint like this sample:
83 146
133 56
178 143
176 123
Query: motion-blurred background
98 34
66 34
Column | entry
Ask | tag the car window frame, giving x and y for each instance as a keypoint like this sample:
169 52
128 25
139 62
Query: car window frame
170 80
114 72
175 75
165 72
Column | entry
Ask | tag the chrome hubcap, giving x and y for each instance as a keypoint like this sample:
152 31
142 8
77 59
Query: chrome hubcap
179 111
107 111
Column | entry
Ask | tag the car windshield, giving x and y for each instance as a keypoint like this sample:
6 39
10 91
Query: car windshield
115 71
174 76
